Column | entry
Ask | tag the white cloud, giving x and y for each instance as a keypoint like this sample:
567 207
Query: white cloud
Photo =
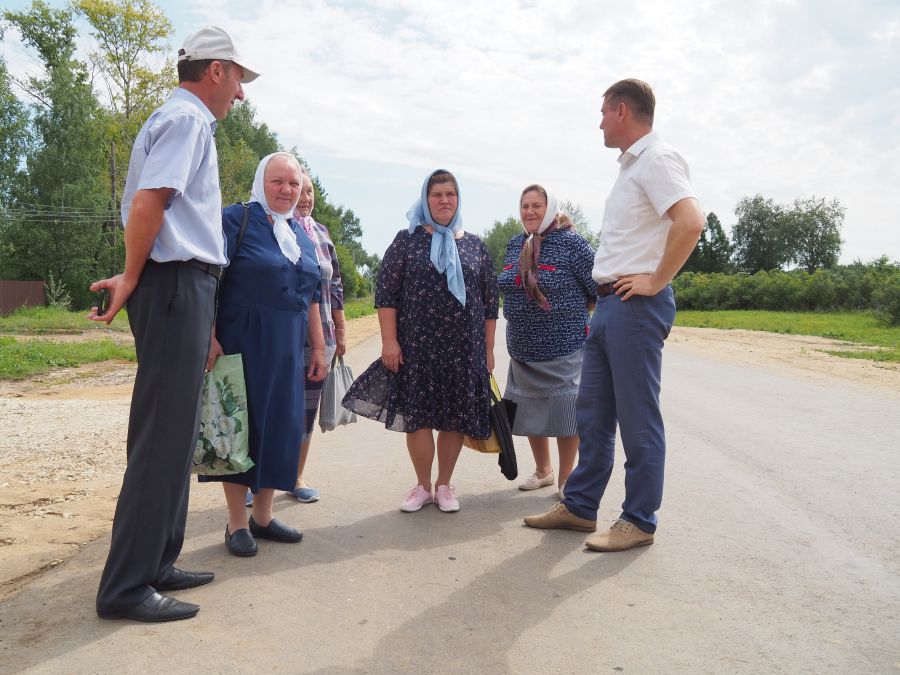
890 32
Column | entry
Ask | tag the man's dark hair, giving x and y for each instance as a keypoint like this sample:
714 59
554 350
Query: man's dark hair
637 95
192 71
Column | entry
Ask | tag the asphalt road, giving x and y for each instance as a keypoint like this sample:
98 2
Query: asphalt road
778 551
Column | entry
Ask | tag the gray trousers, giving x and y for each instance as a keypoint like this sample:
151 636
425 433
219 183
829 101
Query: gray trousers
171 314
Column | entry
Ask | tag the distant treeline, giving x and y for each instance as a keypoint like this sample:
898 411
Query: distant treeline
747 271
860 286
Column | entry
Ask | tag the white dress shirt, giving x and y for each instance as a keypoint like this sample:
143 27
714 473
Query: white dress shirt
653 176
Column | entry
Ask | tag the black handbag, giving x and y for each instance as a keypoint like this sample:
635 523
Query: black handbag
502 415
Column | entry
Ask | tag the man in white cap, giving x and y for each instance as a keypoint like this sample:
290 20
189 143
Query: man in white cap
174 253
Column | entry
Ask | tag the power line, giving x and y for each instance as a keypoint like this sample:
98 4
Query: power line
59 210
45 214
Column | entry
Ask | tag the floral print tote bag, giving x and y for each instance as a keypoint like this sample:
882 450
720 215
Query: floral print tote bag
222 440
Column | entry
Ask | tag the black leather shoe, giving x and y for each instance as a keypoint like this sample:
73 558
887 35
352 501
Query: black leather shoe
276 531
241 542
158 607
181 579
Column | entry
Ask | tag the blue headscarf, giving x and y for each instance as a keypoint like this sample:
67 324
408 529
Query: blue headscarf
444 254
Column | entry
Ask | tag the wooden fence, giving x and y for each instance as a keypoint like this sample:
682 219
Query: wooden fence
15 294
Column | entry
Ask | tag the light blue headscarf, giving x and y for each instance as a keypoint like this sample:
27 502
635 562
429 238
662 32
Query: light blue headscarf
444 254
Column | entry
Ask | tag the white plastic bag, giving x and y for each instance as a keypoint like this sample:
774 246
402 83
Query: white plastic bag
331 413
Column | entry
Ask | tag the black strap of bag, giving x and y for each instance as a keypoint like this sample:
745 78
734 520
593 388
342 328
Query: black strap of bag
244 219
240 238
243 229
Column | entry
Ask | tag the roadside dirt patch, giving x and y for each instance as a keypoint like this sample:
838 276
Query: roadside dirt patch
807 356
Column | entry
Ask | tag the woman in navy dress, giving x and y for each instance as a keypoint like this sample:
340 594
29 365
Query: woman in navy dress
270 288
437 308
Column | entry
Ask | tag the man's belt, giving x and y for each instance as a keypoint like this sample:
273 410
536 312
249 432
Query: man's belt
606 289
209 268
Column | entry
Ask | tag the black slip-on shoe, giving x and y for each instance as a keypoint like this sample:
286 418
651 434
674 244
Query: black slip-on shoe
276 531
240 542
181 579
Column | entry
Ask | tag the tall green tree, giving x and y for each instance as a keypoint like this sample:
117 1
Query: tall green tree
713 252
129 33
718 249
241 142
14 136
580 221
813 229
131 38
497 236
342 223
65 193
346 232
68 163
370 273
14 142
759 236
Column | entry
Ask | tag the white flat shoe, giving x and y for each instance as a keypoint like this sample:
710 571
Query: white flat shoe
533 482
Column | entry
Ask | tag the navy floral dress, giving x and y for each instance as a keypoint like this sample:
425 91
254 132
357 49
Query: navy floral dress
444 382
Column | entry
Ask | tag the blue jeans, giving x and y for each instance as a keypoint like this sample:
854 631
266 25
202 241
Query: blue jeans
620 382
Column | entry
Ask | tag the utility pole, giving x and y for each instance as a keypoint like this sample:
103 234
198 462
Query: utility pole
115 218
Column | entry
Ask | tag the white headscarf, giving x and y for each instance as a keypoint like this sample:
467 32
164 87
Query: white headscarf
552 212
530 254
284 235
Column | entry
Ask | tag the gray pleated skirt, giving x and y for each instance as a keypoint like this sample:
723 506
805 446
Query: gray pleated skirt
545 392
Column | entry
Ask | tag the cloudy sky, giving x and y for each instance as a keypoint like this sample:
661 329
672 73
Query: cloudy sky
785 98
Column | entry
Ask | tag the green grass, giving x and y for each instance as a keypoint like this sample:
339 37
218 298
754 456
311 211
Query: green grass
49 320
858 327
23 358
357 307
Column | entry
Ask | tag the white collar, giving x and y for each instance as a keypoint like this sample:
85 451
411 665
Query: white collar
636 148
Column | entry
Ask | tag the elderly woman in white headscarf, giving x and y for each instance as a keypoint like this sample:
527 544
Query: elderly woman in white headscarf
547 291
270 288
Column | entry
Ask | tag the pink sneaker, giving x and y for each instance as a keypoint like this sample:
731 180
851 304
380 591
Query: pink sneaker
445 498
416 499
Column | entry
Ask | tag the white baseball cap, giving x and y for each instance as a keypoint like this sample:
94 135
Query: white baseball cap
211 42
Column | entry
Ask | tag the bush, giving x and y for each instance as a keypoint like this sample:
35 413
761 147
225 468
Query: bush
886 300
779 291
856 287
824 292
57 294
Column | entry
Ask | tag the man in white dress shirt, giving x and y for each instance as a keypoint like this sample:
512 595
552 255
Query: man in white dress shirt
174 253
651 224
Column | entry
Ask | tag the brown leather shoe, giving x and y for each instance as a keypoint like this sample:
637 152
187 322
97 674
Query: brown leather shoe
620 537
560 518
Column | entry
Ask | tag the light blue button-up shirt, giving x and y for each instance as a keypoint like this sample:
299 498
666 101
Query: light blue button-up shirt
175 149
